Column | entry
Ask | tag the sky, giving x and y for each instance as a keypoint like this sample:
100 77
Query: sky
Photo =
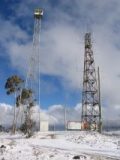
64 25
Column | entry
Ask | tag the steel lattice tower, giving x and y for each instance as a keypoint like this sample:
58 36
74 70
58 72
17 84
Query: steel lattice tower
33 76
91 111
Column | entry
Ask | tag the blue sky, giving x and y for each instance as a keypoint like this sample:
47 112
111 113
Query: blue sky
62 48
52 88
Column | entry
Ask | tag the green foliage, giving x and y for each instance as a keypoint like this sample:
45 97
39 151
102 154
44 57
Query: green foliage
13 84
24 97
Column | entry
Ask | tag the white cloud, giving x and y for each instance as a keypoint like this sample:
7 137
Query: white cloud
62 43
6 112
78 107
111 115
15 43
55 115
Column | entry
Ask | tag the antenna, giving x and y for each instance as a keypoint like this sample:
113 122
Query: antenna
33 75
91 113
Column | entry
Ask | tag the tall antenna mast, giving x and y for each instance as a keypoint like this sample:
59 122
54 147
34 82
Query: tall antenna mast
99 93
33 75
90 94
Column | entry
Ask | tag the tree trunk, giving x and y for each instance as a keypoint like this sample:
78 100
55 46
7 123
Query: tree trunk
14 117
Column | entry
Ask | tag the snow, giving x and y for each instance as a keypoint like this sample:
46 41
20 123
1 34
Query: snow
60 146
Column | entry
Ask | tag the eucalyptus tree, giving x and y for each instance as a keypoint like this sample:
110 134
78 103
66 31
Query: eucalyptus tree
14 86
26 99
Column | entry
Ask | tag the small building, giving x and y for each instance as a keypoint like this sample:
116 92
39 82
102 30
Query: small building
44 126
74 125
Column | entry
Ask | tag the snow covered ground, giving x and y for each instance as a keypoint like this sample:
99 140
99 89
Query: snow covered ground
60 146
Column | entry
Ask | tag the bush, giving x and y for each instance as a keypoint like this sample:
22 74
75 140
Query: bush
27 127
2 128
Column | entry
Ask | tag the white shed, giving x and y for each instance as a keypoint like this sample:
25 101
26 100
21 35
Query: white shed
44 126
74 125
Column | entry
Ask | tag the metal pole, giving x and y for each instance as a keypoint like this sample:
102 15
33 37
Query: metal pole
99 94
39 79
65 118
